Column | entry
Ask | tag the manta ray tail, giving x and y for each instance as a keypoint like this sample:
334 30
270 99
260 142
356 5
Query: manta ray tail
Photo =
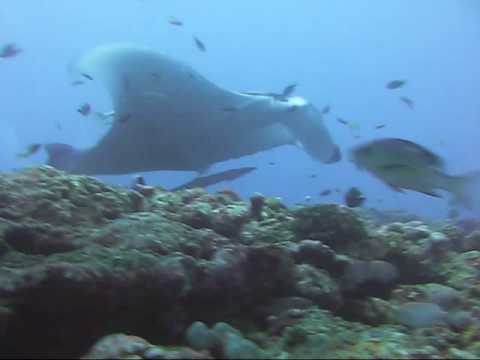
62 156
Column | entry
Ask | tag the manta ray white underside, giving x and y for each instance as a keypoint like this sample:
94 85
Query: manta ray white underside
169 117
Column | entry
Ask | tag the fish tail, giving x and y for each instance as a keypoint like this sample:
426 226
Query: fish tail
464 188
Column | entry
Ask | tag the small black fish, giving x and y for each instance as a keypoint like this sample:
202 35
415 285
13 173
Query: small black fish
325 110
85 109
407 101
325 192
9 50
380 126
395 84
76 83
288 90
312 176
354 197
200 45
271 163
292 108
87 76
341 121
174 21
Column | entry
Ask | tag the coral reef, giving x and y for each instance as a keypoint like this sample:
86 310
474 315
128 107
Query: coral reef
89 270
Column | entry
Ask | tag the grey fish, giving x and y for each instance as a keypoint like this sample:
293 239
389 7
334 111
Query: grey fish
342 121
380 126
200 45
204 181
403 164
183 128
395 84
407 101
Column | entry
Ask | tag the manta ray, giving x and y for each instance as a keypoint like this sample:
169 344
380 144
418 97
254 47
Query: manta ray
169 117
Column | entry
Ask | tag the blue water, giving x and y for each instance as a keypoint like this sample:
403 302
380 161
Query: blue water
340 52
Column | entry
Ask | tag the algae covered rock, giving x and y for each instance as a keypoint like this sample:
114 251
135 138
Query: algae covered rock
317 285
223 340
418 314
335 225
369 278
81 260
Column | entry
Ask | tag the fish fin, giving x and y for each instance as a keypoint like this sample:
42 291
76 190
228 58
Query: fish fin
62 156
464 188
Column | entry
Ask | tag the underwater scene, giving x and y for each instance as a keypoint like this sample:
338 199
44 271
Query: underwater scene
240 179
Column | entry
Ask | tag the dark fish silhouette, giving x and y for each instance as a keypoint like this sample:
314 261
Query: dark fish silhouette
174 21
354 197
341 121
395 84
204 181
380 126
85 109
9 50
200 45
87 76
288 90
407 101
325 192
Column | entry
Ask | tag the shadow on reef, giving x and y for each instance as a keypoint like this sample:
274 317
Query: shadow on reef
80 260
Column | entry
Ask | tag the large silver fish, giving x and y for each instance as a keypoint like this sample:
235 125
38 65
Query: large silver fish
403 164
176 122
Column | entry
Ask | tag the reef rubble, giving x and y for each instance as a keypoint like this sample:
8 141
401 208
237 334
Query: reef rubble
89 270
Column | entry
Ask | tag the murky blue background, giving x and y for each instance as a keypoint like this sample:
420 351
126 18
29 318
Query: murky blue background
340 52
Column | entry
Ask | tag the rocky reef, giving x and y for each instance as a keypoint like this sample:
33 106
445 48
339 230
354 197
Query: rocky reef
89 270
